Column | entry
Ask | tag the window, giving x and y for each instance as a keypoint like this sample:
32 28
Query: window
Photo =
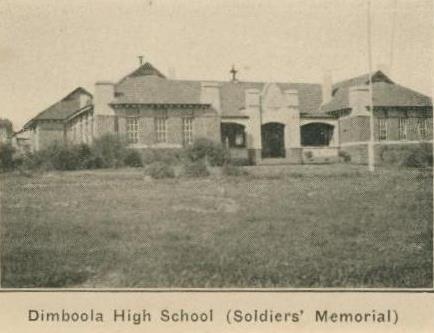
160 124
382 129
422 128
132 130
403 128
187 129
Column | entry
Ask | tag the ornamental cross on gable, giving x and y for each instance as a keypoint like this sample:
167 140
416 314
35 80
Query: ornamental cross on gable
234 72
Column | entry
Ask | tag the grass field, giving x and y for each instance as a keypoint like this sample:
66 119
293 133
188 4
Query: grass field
286 226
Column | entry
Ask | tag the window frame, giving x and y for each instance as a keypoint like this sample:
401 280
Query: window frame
187 130
422 128
160 129
382 128
132 125
403 128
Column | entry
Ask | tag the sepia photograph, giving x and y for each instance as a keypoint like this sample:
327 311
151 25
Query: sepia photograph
217 145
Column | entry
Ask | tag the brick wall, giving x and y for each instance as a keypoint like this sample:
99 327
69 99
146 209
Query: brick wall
356 129
205 124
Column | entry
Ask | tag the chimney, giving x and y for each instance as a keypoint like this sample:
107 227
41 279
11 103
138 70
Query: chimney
104 94
291 98
210 94
252 98
327 87
359 99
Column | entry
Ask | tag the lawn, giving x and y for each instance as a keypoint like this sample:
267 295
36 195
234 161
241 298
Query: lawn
281 226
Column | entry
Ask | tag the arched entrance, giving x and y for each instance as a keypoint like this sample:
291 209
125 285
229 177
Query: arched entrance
316 134
273 140
233 135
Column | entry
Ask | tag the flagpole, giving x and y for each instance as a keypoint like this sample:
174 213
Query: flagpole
371 155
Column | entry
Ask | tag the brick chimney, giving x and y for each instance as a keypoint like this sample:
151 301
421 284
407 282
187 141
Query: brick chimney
210 94
104 94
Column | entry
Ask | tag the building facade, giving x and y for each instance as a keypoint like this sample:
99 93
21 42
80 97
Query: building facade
261 122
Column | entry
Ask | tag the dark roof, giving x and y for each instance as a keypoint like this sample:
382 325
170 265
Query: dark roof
360 80
150 89
386 93
62 109
147 85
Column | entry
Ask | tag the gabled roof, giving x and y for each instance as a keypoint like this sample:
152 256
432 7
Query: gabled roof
62 109
386 93
147 85
360 80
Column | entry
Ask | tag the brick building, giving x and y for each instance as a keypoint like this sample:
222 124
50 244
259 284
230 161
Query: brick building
264 122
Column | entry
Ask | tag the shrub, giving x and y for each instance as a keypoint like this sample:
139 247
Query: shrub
308 155
419 158
214 153
159 170
133 159
232 170
111 150
7 161
344 156
239 161
196 169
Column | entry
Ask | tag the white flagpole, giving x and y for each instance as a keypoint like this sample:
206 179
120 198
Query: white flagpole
371 155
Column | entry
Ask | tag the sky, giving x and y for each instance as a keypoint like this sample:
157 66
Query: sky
50 47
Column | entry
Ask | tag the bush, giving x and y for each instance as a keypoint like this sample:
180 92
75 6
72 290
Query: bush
159 170
196 169
214 153
233 170
344 156
421 157
133 159
7 161
111 150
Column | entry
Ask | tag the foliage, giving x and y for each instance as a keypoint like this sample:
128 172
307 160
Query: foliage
308 155
421 157
160 170
111 150
233 170
344 156
170 156
7 161
195 169
133 158
214 153
6 123
412 156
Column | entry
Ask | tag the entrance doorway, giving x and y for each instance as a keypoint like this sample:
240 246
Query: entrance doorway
273 140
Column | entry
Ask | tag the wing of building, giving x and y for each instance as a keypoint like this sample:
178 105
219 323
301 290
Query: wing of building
265 122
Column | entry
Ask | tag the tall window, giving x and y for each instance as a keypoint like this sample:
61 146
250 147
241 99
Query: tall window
382 129
160 124
132 130
187 128
422 128
403 128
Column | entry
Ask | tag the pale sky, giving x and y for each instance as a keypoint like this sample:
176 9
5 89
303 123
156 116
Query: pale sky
50 47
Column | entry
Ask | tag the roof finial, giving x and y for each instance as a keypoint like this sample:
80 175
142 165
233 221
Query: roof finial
140 59
234 72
